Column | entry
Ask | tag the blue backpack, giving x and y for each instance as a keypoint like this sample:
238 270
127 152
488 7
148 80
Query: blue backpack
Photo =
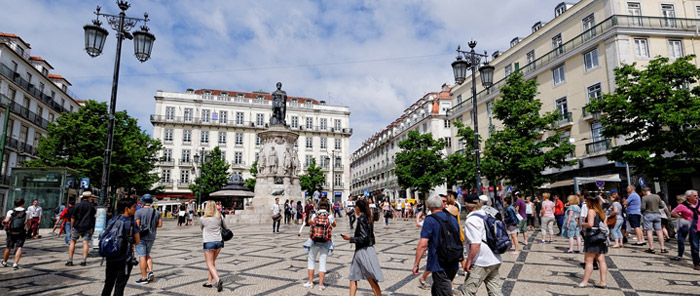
496 235
113 243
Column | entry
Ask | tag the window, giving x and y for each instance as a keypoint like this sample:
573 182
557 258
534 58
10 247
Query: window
337 144
557 44
239 118
508 69
259 119
239 139
42 86
51 117
530 57
536 26
447 123
597 131
324 124
514 41
634 10
238 157
165 176
337 124
223 117
11 93
39 111
168 135
558 75
222 137
697 11
669 14
186 136
588 23
562 107
187 116
448 142
337 180
675 49
309 158
184 177
186 155
324 143
258 140
594 92
309 123
205 137
564 137
295 121
641 47
206 113
167 154
561 8
309 143
590 59
169 113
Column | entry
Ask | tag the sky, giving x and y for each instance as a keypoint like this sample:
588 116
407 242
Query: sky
376 57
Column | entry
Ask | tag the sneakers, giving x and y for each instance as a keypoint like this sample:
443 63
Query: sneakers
308 285
15 266
69 263
321 288
142 281
423 285
3 263
151 277
677 258
83 263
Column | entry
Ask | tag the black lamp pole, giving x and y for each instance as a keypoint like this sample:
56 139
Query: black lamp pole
95 37
472 60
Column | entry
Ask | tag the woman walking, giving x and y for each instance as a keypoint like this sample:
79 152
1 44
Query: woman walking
594 249
571 229
387 211
213 243
547 222
365 264
181 212
616 211
685 216
530 213
300 213
320 248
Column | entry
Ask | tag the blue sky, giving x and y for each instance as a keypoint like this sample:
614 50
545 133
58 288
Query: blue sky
376 57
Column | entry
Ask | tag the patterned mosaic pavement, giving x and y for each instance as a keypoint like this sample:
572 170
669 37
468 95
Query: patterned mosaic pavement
258 262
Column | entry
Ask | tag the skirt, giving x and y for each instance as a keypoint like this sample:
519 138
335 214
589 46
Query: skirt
365 265
181 219
595 248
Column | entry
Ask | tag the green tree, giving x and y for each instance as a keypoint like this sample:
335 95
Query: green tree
250 182
77 140
520 152
461 165
313 179
658 114
214 174
420 164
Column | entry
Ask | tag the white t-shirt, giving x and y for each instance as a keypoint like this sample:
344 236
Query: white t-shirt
584 213
275 209
474 232
9 213
331 219
372 206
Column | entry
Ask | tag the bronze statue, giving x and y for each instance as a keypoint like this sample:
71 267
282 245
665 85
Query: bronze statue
279 106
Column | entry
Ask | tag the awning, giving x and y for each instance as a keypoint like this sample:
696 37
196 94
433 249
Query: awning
583 180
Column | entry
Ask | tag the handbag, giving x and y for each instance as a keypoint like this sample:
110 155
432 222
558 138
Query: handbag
226 234
611 221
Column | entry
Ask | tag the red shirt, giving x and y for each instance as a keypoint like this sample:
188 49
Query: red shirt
559 208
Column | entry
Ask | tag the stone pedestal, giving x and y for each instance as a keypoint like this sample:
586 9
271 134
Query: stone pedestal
278 176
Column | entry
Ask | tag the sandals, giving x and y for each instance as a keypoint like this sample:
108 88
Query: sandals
207 285
601 286
650 251
664 251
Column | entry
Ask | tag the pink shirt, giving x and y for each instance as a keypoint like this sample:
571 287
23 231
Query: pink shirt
684 211
548 207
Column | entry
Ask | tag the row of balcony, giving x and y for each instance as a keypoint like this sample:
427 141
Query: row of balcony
185 184
23 112
239 123
21 147
31 89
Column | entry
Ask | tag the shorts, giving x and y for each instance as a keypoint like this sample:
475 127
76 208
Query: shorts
652 221
87 236
512 229
15 241
213 245
522 225
635 220
144 248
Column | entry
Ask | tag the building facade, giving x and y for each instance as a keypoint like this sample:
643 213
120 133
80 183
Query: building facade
30 98
573 57
372 165
195 121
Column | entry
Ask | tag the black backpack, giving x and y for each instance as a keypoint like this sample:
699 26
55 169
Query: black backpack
450 249
375 214
16 225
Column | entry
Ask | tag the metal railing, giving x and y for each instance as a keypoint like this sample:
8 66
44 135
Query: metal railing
28 87
167 162
598 146
183 184
565 118
185 162
23 112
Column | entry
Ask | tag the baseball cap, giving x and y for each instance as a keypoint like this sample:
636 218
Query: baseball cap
147 199
484 199
471 198
613 191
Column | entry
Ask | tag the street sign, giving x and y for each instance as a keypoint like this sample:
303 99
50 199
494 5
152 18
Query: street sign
366 193
600 183
69 182
509 189
620 165
642 182
84 183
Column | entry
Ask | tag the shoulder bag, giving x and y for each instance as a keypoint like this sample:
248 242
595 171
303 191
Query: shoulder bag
226 234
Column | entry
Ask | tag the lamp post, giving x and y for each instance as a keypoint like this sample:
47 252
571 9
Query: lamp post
95 37
471 61
200 158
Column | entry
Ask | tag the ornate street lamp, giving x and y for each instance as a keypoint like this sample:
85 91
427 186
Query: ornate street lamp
471 60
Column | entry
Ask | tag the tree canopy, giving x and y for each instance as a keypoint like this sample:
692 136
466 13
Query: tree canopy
420 164
77 140
314 178
250 182
213 174
657 113
517 152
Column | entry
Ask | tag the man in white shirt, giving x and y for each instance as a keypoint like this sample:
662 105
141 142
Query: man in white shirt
34 213
481 264
276 215
350 210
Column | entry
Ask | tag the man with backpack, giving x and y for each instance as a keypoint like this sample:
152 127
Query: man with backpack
483 262
116 245
16 226
440 236
148 220
82 224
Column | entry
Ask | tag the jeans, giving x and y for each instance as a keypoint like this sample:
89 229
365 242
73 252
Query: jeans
318 248
116 276
694 244
351 218
277 222
386 220
560 221
67 227
616 232
143 249
488 275
682 233
442 282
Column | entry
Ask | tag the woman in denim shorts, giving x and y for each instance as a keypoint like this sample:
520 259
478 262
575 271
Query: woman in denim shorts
211 224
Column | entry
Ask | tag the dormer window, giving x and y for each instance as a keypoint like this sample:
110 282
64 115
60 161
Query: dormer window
207 93
536 26
514 41
44 71
559 9
224 94
295 100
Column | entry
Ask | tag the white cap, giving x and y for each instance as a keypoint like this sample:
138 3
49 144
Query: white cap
484 199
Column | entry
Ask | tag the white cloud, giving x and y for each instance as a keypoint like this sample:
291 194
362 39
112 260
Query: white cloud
377 57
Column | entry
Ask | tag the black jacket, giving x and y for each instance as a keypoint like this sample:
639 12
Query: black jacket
364 233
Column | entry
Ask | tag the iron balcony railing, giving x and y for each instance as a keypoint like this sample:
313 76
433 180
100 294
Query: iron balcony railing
185 162
565 118
183 183
33 91
598 146
23 112
615 21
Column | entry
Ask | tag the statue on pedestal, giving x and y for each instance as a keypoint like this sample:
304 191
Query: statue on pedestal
294 163
261 165
279 106
272 161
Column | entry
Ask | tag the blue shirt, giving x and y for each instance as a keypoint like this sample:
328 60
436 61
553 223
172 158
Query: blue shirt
431 231
635 204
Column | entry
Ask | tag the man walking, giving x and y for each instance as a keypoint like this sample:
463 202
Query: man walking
651 203
430 234
82 225
482 263
559 212
350 211
34 215
118 267
276 215
633 205
148 221
17 223
691 203
520 207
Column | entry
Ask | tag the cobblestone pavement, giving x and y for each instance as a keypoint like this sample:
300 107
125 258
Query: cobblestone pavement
258 262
